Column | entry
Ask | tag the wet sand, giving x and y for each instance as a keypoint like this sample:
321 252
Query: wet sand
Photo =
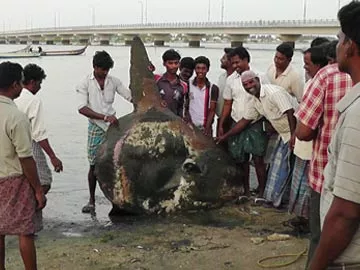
212 239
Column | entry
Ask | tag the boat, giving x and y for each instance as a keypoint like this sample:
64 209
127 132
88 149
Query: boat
8 55
64 53
26 49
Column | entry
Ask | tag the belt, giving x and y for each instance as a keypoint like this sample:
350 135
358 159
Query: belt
344 266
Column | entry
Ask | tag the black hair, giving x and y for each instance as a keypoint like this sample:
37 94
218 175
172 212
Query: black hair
103 60
318 55
187 62
170 55
241 52
318 41
33 72
228 50
10 73
202 60
285 49
331 49
349 17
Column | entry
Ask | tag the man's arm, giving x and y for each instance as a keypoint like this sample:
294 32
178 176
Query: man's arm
29 169
292 124
212 109
55 161
305 133
311 109
238 128
122 90
39 132
340 226
225 114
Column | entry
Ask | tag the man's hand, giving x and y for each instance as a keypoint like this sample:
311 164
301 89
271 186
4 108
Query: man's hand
220 139
220 131
40 199
163 103
292 142
111 119
58 167
208 131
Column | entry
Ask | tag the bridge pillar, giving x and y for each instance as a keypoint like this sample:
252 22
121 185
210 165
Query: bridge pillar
290 39
194 40
238 40
128 39
50 39
160 39
66 39
23 41
50 42
2 40
104 39
105 42
35 41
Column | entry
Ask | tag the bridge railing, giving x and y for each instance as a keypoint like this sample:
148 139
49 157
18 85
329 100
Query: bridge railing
175 25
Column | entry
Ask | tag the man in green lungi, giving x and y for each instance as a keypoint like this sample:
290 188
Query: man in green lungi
96 95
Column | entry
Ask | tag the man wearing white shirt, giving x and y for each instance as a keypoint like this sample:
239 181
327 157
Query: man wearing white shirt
31 105
252 142
96 94
278 107
283 74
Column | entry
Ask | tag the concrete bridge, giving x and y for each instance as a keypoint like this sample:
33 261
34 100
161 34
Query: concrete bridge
193 32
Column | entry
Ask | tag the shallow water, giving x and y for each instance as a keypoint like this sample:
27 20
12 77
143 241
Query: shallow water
68 129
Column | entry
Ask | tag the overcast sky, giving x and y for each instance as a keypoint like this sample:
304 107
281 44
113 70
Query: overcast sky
21 14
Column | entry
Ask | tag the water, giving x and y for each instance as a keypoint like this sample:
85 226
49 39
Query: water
68 130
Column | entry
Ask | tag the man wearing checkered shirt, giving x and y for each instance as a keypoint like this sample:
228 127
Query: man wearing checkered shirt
317 118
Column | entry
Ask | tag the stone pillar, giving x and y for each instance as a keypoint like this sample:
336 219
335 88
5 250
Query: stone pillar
105 42
194 40
35 42
23 41
50 42
65 41
290 39
83 41
238 40
12 41
2 41
194 43
159 43
160 39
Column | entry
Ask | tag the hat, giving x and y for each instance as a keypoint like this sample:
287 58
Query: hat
248 75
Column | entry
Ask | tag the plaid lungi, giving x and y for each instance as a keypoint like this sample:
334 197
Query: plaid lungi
43 169
17 206
251 141
300 191
96 136
279 174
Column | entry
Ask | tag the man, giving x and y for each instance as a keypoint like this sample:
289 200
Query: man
278 107
235 98
340 199
96 95
21 194
315 58
317 118
186 67
32 106
203 96
283 74
228 71
172 89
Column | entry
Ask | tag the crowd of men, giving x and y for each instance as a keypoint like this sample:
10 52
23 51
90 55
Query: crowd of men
301 136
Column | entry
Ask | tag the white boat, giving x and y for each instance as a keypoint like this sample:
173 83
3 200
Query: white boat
10 55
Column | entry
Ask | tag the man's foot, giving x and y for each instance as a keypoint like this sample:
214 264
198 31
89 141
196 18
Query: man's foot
89 208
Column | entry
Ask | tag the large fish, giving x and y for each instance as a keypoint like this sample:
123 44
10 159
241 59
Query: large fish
153 161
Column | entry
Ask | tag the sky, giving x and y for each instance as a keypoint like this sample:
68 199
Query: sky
26 14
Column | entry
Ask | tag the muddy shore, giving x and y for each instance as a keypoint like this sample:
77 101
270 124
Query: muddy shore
213 239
